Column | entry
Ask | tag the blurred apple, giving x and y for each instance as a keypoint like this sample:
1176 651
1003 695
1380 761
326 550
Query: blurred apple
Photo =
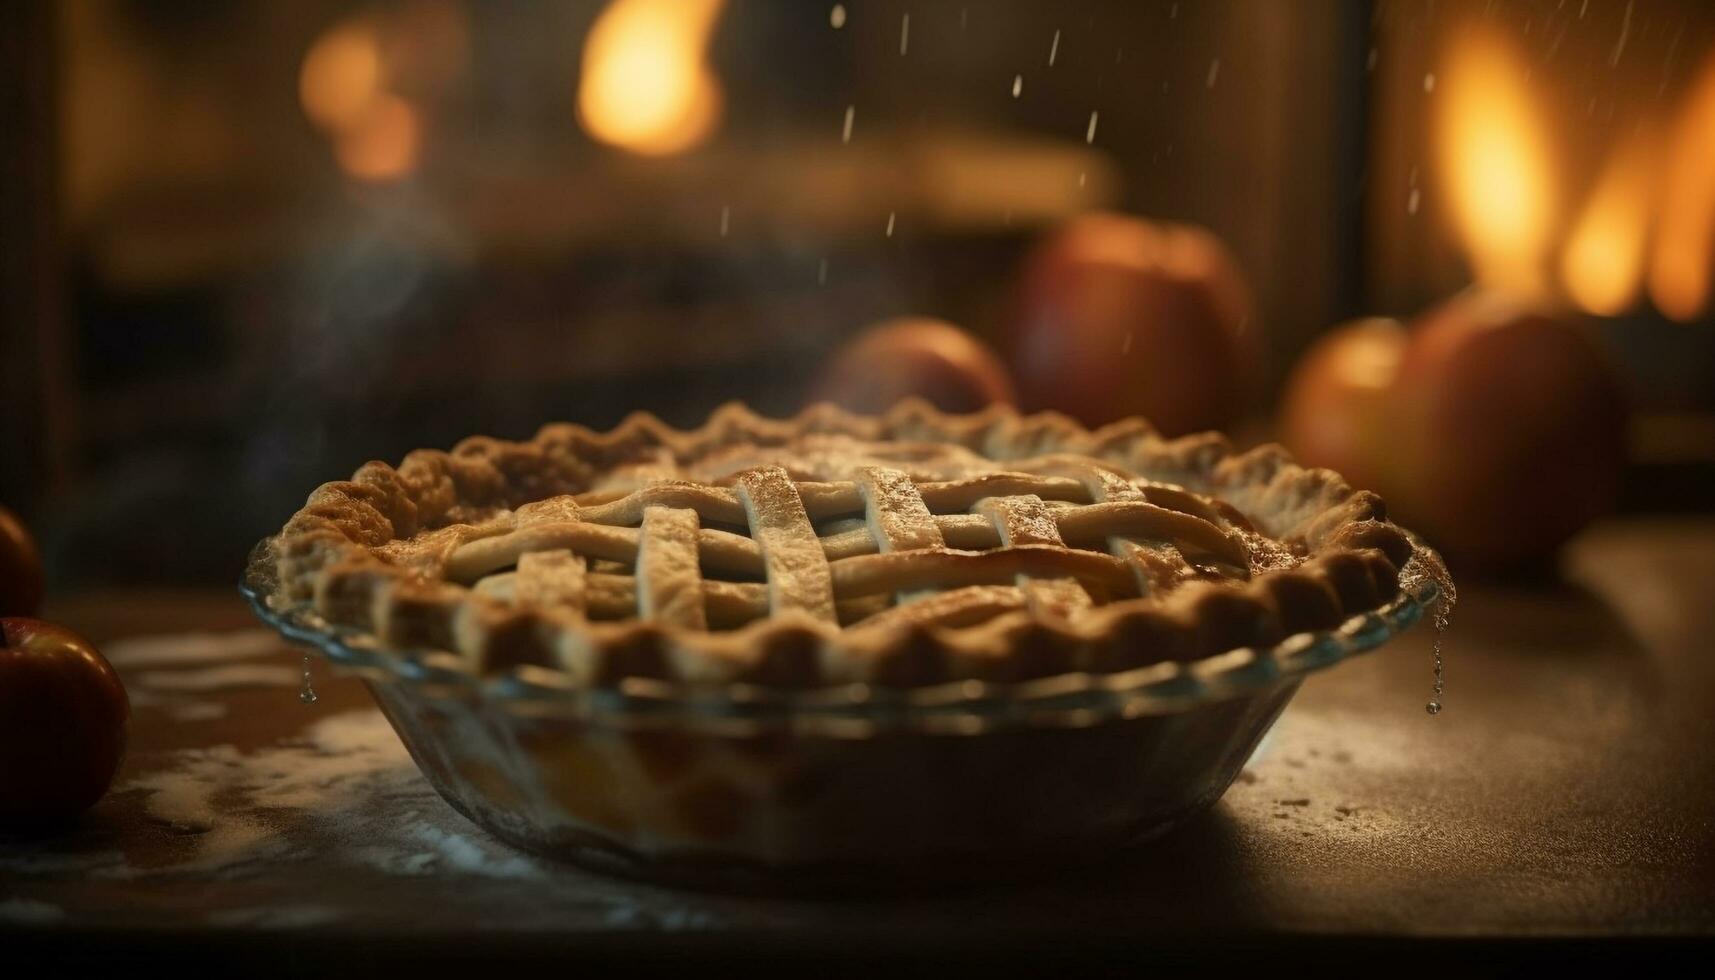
1116 316
20 568
1335 410
63 722
921 356
1511 430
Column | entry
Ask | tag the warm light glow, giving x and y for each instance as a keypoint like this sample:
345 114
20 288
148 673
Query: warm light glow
1493 162
343 84
646 86
384 145
1603 265
341 77
1684 255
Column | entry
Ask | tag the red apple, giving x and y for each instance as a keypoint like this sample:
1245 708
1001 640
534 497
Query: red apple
20 568
1335 410
1116 316
1511 431
63 723
921 356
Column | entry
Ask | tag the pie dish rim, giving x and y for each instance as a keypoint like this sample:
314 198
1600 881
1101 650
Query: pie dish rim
853 710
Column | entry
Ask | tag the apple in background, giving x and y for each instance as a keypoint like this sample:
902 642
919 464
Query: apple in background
20 568
1335 409
921 356
1510 428
1116 316
63 723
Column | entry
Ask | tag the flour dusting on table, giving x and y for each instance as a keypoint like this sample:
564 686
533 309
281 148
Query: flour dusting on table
29 912
170 672
219 678
345 793
193 649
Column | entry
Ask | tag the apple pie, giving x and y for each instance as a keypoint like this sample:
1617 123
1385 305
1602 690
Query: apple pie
903 550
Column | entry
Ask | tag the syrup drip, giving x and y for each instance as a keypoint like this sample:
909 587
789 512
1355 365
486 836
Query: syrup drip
306 693
1426 564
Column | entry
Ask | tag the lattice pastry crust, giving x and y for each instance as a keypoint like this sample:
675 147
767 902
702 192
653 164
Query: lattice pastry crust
907 549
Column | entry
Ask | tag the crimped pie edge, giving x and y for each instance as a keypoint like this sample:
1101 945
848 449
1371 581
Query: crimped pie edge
325 558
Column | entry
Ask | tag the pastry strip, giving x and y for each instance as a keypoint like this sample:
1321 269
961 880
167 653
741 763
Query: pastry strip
669 581
798 574
550 579
1025 520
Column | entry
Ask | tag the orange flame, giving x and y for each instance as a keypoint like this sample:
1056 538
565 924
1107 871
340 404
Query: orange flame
1493 162
1684 254
1603 266
646 86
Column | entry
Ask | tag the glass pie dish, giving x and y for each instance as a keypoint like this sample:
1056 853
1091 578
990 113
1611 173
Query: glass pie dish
738 785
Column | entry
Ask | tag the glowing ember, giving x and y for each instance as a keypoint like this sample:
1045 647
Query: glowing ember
646 86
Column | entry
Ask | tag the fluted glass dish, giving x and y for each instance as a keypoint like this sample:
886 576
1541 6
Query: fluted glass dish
741 786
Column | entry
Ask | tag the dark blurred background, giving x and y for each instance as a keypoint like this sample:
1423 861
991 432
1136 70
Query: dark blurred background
249 246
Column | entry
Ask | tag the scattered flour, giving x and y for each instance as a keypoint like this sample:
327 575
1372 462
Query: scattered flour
197 710
106 865
220 678
343 799
167 672
193 649
281 917
27 911
341 786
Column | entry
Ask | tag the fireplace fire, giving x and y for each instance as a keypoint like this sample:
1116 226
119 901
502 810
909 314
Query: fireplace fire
1644 216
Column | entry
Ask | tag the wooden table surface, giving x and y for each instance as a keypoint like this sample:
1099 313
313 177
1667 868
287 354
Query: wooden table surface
1566 792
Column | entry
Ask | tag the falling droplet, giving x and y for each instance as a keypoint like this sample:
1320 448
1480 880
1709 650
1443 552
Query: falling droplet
1426 564
846 133
904 33
1125 345
726 218
1625 32
1412 201
837 16
1173 12
1370 62
307 693
890 219
1054 48
1429 82
822 273
1090 133
1083 179
1434 705
1214 73
1017 86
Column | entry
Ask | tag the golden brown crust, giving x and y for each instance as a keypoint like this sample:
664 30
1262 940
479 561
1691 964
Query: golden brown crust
369 553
